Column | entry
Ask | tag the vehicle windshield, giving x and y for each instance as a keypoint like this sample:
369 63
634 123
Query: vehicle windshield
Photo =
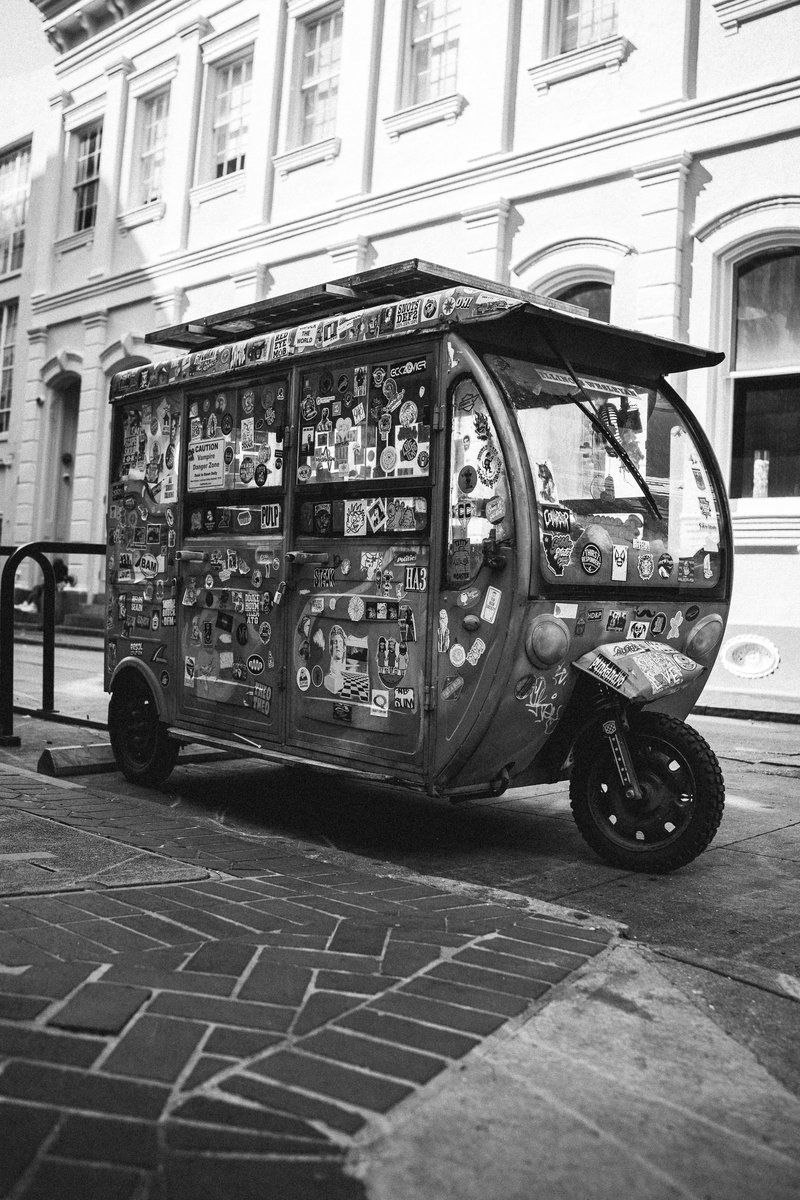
598 523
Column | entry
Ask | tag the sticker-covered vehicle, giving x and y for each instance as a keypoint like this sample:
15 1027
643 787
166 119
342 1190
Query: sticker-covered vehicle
421 527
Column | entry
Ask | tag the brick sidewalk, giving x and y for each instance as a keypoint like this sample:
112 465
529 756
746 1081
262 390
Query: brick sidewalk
229 1037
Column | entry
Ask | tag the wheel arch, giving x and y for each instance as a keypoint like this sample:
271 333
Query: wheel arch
134 666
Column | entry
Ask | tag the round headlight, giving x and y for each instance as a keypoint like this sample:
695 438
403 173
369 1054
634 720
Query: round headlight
546 640
705 637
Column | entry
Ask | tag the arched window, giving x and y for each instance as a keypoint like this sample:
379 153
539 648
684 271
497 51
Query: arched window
766 429
593 295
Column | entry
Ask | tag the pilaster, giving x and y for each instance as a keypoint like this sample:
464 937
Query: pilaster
485 228
662 233
182 135
110 168
348 258
355 118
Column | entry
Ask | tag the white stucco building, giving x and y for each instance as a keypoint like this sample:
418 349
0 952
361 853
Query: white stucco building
642 156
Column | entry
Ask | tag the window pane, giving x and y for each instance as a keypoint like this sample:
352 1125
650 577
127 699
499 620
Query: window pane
584 22
231 123
434 49
14 188
87 176
155 110
319 87
594 296
766 438
768 312
8 328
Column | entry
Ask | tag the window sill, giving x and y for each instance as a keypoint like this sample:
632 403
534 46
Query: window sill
769 524
73 241
14 273
443 108
731 13
305 156
609 54
215 188
142 215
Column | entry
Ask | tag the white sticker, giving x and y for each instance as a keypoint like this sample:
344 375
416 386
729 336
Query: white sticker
619 563
491 605
638 630
475 651
379 704
458 655
565 611
303 679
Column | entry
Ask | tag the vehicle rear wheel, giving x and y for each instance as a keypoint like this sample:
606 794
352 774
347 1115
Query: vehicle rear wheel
144 753
683 795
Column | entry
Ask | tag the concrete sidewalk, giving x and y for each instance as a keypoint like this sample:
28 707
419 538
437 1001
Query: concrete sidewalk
188 1012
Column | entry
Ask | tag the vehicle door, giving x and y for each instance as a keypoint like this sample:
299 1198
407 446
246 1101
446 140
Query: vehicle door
230 562
360 559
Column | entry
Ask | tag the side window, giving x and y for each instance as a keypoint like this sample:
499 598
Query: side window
480 514
147 449
236 447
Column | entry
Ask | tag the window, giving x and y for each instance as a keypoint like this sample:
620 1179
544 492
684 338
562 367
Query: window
231 116
434 49
319 78
766 430
87 176
8 330
153 115
596 297
14 188
583 22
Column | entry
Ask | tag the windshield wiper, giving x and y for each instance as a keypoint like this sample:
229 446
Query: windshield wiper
608 435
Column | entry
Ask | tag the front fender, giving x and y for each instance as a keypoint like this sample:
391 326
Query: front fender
640 670
129 664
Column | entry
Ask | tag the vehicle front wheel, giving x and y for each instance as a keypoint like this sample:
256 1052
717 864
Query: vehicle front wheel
144 753
683 795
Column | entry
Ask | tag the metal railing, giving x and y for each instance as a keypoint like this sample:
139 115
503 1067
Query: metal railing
36 551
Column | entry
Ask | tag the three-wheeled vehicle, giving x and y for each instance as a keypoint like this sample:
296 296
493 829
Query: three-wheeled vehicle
420 527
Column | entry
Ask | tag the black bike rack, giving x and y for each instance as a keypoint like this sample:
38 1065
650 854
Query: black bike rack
36 551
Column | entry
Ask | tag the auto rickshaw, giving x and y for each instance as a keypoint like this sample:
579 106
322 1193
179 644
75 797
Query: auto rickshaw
416 526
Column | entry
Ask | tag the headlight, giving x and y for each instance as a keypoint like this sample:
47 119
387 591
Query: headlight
546 640
705 637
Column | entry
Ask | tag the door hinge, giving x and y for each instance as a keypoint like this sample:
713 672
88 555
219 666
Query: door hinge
438 423
428 698
282 679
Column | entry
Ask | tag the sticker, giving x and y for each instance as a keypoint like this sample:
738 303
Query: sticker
646 566
619 563
467 480
638 630
566 611
416 579
607 672
476 651
404 699
616 621
685 570
452 687
558 551
591 558
692 612
303 679
491 605
443 632
343 713
495 509
265 632
188 672
317 676
255 664
665 565
675 624
658 624
555 519
355 608
458 655
323 577
379 703
388 459
355 518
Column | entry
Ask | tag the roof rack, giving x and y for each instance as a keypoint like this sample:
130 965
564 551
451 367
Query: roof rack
381 285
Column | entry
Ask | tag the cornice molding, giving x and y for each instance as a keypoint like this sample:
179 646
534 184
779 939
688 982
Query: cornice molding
501 170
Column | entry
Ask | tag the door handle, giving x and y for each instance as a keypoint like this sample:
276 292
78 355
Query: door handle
192 556
297 557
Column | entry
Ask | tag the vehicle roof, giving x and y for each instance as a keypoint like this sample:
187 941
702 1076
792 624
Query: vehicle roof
531 325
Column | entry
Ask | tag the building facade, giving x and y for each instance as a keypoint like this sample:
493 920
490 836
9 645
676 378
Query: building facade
639 158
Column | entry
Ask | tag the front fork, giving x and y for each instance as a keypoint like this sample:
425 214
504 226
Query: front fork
615 729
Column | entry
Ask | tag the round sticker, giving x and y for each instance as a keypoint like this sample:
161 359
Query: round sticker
355 608
260 475
591 558
165 678
408 413
423 460
246 470
228 455
317 676
458 655
692 612
303 679
409 450
248 402
170 517
226 424
665 565
388 459
467 479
